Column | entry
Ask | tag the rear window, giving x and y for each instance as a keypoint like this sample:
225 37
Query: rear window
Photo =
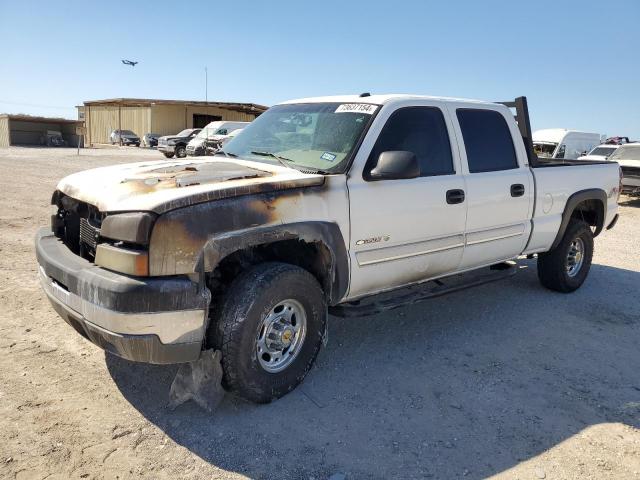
487 140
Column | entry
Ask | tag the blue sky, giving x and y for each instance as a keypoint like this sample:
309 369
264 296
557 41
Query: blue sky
576 61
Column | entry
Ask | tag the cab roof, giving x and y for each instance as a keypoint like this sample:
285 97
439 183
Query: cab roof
381 99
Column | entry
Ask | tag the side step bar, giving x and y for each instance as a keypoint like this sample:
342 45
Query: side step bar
400 297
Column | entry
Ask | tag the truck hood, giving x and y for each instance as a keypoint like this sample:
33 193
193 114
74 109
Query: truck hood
161 186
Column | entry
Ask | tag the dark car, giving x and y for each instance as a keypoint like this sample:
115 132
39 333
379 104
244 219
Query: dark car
150 139
126 137
171 145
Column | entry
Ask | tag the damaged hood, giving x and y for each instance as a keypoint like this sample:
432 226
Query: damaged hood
160 186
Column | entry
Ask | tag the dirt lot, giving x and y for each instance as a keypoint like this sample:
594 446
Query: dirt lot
507 379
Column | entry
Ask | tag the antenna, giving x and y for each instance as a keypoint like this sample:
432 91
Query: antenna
206 85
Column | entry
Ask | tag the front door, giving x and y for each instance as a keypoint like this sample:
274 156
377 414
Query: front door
404 231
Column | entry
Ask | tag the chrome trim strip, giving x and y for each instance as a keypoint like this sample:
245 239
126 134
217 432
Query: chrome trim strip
181 326
399 252
493 234
491 239
399 257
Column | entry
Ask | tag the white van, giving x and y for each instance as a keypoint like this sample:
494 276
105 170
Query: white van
214 131
563 143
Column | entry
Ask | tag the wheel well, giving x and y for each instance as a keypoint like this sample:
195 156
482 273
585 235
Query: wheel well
590 211
314 257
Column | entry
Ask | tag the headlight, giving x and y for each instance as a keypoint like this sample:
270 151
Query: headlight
128 227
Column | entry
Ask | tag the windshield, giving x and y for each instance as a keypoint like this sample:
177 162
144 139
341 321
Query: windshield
626 152
184 133
604 151
316 136
126 132
544 150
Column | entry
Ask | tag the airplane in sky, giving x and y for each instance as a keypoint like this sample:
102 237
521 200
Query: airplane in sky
130 63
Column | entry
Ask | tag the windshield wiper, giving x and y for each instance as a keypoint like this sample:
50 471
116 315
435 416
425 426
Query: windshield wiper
285 162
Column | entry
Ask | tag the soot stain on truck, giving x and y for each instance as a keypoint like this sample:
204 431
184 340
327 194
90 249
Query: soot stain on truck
180 235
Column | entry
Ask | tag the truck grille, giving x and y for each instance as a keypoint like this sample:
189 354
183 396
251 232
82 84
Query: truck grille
88 233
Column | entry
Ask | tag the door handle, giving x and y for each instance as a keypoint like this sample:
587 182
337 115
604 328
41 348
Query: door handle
455 196
517 190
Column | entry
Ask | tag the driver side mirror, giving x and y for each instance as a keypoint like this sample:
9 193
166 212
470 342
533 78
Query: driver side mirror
396 165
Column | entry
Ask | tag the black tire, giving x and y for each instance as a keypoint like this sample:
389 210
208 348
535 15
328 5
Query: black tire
181 151
250 298
168 154
552 265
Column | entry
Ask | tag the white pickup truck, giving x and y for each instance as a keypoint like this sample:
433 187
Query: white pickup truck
347 204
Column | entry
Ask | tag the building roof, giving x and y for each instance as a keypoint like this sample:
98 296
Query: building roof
30 118
145 102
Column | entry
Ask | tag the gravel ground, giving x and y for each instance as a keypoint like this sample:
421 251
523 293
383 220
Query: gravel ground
507 380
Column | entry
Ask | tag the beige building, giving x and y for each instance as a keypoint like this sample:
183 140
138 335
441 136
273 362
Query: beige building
29 130
164 117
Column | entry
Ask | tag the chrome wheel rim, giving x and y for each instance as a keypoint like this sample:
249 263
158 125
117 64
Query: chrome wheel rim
575 257
281 335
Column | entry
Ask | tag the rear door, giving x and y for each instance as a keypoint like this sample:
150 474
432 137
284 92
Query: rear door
409 230
499 184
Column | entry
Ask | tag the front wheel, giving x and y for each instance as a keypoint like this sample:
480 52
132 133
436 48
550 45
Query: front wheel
181 151
168 154
565 268
270 328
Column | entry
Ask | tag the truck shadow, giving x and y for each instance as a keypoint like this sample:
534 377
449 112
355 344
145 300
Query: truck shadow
628 201
469 384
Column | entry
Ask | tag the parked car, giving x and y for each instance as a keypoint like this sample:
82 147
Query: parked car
561 143
127 137
150 140
628 157
213 146
211 133
53 138
601 152
171 145
350 204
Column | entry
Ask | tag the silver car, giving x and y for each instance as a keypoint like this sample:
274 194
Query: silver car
126 137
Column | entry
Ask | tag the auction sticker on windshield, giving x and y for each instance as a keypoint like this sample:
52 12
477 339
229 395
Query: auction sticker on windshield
357 108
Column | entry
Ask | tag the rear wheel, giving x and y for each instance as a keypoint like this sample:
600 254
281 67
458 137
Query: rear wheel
270 329
565 268
181 151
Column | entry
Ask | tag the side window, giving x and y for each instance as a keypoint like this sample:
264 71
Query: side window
561 151
221 131
421 130
487 140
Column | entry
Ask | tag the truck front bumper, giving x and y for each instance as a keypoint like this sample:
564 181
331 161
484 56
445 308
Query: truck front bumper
167 148
145 319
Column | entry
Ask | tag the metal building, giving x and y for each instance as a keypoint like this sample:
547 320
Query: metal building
28 130
164 117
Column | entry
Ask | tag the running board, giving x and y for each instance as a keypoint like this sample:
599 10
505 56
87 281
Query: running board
401 297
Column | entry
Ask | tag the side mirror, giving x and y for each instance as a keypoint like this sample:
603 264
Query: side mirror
396 165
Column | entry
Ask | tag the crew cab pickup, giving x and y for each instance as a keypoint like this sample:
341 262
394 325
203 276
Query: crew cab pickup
343 204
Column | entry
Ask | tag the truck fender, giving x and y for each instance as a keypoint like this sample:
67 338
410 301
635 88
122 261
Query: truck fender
575 200
326 233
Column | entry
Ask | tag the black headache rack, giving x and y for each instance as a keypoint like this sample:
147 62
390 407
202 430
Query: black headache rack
522 119
524 125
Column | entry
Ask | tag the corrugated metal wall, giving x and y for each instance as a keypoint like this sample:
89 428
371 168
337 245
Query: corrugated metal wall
162 119
4 132
100 122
